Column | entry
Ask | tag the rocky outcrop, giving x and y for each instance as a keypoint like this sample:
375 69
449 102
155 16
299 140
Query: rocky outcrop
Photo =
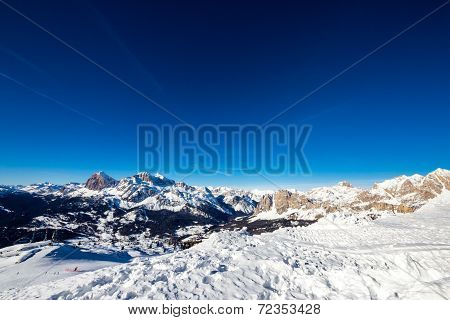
399 195
99 181
345 184
285 200
404 209
265 204
154 180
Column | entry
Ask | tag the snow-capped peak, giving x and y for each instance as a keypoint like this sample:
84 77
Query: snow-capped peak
397 182
160 176
345 184
154 179
440 171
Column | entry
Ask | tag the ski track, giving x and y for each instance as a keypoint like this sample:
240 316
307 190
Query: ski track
401 257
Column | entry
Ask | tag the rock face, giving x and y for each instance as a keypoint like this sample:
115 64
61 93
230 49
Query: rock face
155 180
399 195
265 204
99 181
345 184
285 200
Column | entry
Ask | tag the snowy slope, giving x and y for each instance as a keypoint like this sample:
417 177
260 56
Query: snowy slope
23 265
399 257
240 200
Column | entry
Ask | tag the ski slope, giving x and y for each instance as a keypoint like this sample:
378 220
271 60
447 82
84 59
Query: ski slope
396 257
24 265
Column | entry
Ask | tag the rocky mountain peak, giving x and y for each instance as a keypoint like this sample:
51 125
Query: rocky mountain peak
265 204
441 172
440 175
156 179
345 184
99 181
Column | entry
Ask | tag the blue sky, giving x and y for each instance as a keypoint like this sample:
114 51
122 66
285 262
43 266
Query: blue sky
219 62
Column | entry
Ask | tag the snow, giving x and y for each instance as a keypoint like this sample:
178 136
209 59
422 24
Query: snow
5 210
156 192
240 200
416 180
41 262
258 193
338 195
348 253
192 230
42 188
395 257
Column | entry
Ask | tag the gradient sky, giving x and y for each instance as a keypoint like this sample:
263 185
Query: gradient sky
230 62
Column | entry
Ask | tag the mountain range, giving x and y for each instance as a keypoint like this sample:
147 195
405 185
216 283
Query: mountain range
403 194
148 210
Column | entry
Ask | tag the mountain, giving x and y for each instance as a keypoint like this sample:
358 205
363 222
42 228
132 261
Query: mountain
150 208
131 210
100 181
399 195
241 201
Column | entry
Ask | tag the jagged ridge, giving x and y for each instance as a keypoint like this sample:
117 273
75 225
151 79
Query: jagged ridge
399 195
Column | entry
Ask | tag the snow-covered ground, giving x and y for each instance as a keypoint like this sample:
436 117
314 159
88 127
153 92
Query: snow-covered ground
25 265
396 257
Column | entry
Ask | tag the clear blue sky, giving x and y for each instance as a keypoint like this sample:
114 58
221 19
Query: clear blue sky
224 62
